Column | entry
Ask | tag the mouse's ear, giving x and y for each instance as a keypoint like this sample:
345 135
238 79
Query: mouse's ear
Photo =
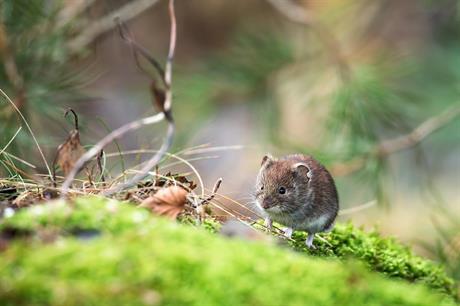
302 168
266 159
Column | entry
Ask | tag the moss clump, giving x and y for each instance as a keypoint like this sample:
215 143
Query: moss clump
380 254
136 259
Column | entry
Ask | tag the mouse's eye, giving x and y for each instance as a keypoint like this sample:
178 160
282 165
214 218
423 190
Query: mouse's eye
282 190
262 187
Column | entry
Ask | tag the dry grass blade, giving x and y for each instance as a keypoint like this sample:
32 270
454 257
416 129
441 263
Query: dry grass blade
245 207
20 160
355 209
10 141
30 131
202 149
179 159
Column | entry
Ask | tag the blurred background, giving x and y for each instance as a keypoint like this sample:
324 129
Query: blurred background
371 88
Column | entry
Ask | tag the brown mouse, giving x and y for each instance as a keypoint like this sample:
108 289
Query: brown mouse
298 192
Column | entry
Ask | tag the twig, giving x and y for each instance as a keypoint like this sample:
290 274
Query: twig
165 107
104 24
213 194
165 114
418 134
404 142
30 131
75 117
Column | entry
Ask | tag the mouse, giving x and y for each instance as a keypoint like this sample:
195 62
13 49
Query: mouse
298 192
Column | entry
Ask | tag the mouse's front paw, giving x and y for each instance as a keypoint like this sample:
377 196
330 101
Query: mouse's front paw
309 241
287 232
268 224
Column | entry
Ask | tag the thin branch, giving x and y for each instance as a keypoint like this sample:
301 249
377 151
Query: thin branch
75 117
404 142
165 114
213 193
418 134
104 24
166 108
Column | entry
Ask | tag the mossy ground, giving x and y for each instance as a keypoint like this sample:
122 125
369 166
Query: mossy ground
385 255
102 252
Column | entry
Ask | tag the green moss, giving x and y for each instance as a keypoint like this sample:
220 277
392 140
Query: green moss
141 260
381 254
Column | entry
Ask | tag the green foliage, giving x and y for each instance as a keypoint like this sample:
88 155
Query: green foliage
141 260
380 254
36 47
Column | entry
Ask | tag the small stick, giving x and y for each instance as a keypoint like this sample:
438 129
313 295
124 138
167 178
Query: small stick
213 194
75 117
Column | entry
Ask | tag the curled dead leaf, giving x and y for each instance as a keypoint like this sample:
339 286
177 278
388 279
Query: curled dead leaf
70 151
168 202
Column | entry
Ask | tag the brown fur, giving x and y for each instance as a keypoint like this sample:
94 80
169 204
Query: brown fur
310 192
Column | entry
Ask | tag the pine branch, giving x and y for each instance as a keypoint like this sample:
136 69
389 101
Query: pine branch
404 142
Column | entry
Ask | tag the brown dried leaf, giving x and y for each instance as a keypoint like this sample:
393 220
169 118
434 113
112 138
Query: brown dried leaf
69 152
168 202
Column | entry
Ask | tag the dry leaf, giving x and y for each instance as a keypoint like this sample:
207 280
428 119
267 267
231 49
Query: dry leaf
168 202
69 152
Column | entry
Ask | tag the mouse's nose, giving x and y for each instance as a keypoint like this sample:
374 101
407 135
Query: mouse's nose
267 203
